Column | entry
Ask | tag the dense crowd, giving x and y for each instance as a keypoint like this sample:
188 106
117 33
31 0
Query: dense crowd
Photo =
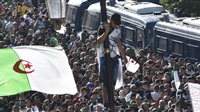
150 89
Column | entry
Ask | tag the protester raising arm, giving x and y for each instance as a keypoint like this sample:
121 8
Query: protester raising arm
102 37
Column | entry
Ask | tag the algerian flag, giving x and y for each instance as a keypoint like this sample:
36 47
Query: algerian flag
37 68
176 77
132 65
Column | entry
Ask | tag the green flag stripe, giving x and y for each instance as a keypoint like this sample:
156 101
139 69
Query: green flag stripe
11 82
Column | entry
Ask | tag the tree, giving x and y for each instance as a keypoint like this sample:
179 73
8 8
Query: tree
185 7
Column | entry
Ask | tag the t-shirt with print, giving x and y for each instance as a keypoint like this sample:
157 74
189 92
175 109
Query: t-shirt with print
113 36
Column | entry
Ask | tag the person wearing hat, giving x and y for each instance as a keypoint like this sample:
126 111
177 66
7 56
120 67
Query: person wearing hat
99 107
138 100
189 69
112 31
53 42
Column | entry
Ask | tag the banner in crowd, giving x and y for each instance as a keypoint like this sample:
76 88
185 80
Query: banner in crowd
38 68
194 90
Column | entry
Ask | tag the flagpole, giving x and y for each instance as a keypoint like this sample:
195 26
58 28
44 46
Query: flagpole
181 102
108 68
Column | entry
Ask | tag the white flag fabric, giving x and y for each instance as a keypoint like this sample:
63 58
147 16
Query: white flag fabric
132 65
176 80
119 82
194 90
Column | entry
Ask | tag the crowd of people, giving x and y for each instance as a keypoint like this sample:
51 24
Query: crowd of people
151 89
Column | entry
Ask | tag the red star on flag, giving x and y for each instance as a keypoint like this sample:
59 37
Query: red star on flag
28 66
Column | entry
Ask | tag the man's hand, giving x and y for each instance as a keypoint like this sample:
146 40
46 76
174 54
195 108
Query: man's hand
106 27
104 34
125 60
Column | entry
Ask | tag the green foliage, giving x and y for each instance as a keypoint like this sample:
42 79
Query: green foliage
185 7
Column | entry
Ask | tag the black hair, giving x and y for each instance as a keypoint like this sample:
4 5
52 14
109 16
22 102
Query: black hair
116 18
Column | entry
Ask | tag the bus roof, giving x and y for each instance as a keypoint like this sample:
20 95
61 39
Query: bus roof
145 20
144 7
179 29
94 7
193 22
76 2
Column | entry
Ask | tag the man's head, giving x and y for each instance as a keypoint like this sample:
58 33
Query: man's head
138 99
28 103
22 103
37 99
1 100
162 104
115 20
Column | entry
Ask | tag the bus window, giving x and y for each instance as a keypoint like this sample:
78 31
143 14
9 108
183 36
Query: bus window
122 32
71 14
150 36
162 43
140 38
91 21
129 34
192 51
177 47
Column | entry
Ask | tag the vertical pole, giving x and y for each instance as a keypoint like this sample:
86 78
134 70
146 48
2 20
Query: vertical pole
61 9
108 68
181 102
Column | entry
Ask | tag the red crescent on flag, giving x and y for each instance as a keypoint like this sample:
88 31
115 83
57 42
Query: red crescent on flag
17 69
134 59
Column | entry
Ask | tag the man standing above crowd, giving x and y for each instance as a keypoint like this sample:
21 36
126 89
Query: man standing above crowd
112 31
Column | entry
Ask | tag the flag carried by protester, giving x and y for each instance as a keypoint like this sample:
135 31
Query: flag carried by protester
132 65
176 77
37 68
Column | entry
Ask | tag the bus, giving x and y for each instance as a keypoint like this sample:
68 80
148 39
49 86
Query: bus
180 37
75 10
138 20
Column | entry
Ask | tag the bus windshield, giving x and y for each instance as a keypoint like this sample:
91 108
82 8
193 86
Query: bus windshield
71 14
91 21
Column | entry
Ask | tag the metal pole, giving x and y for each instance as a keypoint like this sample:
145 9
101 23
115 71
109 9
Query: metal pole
181 102
108 68
61 9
